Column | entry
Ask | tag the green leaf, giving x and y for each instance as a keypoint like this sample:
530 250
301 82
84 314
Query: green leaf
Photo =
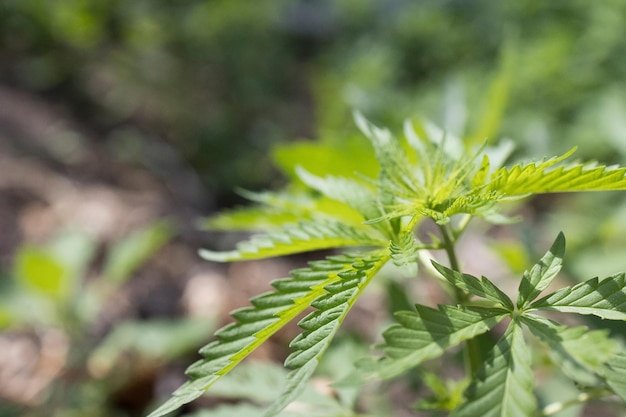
404 249
249 218
39 271
615 375
127 255
328 158
543 177
504 385
577 351
357 195
605 299
321 326
428 332
254 325
542 273
479 287
397 175
297 238
275 209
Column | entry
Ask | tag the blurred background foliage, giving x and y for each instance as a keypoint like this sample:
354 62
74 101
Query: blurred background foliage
154 110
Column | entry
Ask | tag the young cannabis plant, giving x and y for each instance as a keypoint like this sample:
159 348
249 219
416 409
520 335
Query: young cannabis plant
503 385
370 204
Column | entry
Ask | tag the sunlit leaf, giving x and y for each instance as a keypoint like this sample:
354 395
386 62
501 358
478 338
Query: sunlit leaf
254 325
605 299
542 273
298 238
504 385
321 326
472 285
427 333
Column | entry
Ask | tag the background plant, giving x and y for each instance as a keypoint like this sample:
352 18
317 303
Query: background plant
427 176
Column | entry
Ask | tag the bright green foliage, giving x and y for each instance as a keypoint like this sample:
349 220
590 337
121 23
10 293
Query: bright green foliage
331 286
371 203
321 326
300 237
542 274
481 288
605 299
504 385
427 333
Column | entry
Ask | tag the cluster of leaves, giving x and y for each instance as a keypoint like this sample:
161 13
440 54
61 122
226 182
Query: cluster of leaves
370 204
505 382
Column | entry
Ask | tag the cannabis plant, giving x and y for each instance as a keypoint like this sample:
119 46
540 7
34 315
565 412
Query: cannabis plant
370 204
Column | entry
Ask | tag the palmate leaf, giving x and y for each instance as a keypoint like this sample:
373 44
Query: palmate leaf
321 326
427 333
503 387
542 273
472 285
577 351
254 325
297 238
605 299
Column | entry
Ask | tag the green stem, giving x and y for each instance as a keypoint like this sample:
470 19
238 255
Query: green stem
473 355
579 399
448 246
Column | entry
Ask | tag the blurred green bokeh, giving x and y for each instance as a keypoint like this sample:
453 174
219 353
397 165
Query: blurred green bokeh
223 80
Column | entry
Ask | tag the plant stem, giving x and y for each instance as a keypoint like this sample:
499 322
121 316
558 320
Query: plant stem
473 356
448 246
579 399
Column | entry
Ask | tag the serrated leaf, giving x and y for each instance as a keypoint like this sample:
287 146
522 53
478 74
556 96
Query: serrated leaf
479 287
480 177
397 175
297 238
249 218
254 325
503 387
321 326
615 374
541 274
544 177
605 299
577 351
275 209
427 333
404 250
358 196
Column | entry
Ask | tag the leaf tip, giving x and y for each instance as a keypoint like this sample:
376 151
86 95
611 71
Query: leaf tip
209 255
